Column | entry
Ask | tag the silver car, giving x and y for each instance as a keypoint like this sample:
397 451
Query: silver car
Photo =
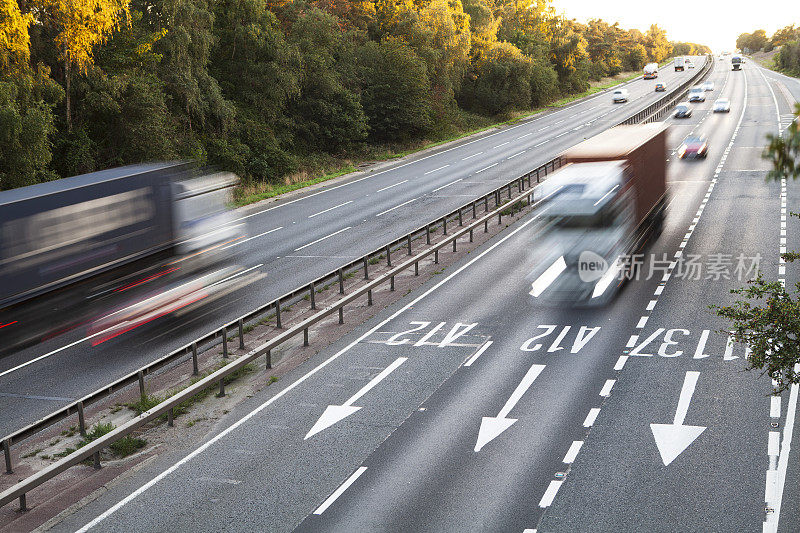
620 95
708 86
722 105
697 94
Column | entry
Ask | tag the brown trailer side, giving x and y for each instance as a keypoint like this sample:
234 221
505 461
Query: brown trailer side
644 146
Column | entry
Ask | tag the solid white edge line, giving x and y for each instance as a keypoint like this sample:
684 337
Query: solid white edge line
396 207
478 353
330 209
113 509
323 238
338 492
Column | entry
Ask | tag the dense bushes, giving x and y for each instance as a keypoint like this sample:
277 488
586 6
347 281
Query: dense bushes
261 88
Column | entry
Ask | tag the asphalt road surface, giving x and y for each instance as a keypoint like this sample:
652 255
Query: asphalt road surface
297 240
468 406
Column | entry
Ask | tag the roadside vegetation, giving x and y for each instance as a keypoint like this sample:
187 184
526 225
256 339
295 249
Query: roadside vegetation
283 93
766 314
787 42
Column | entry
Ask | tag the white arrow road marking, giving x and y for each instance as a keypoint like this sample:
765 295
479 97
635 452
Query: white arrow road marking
672 439
335 413
492 426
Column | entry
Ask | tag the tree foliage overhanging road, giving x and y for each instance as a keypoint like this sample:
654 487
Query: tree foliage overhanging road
267 89
767 318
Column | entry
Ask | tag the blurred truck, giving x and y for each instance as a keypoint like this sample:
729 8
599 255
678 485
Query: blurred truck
651 71
113 250
600 209
736 62
679 63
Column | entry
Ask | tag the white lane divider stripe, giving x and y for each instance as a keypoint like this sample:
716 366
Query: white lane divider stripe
435 170
606 390
338 492
591 417
449 184
550 494
330 209
323 238
471 156
395 185
486 168
396 207
478 353
572 453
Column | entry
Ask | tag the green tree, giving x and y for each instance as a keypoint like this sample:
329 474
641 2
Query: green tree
767 318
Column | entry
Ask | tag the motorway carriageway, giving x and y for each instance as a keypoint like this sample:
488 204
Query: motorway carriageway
468 406
297 240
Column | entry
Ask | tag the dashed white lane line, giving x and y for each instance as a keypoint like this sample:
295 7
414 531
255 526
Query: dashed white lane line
501 144
550 493
395 185
478 353
435 170
515 155
237 243
541 143
486 168
620 364
590 418
523 136
396 207
572 453
325 237
471 156
775 406
330 209
449 184
606 390
338 492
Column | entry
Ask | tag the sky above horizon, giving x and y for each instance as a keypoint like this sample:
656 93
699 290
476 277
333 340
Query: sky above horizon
713 23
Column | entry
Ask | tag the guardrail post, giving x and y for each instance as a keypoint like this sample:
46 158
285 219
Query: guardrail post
170 418
460 219
409 245
470 235
311 292
391 284
195 369
81 420
305 337
436 257
221 392
416 268
497 198
486 204
341 315
7 453
486 226
428 234
23 503
369 297
509 191
499 218
241 334
96 458
278 314
366 271
341 281
388 256
454 245
224 342
269 359
444 226
474 214
140 375
537 175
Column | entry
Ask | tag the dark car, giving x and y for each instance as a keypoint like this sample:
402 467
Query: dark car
683 110
660 87
693 146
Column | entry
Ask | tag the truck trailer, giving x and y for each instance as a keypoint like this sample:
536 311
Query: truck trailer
651 71
679 63
600 209
113 248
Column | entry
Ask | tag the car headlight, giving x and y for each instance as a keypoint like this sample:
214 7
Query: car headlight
681 151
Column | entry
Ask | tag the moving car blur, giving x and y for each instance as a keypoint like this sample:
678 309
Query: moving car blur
694 146
683 110
113 250
598 210
722 105
660 87
708 86
697 94
619 95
